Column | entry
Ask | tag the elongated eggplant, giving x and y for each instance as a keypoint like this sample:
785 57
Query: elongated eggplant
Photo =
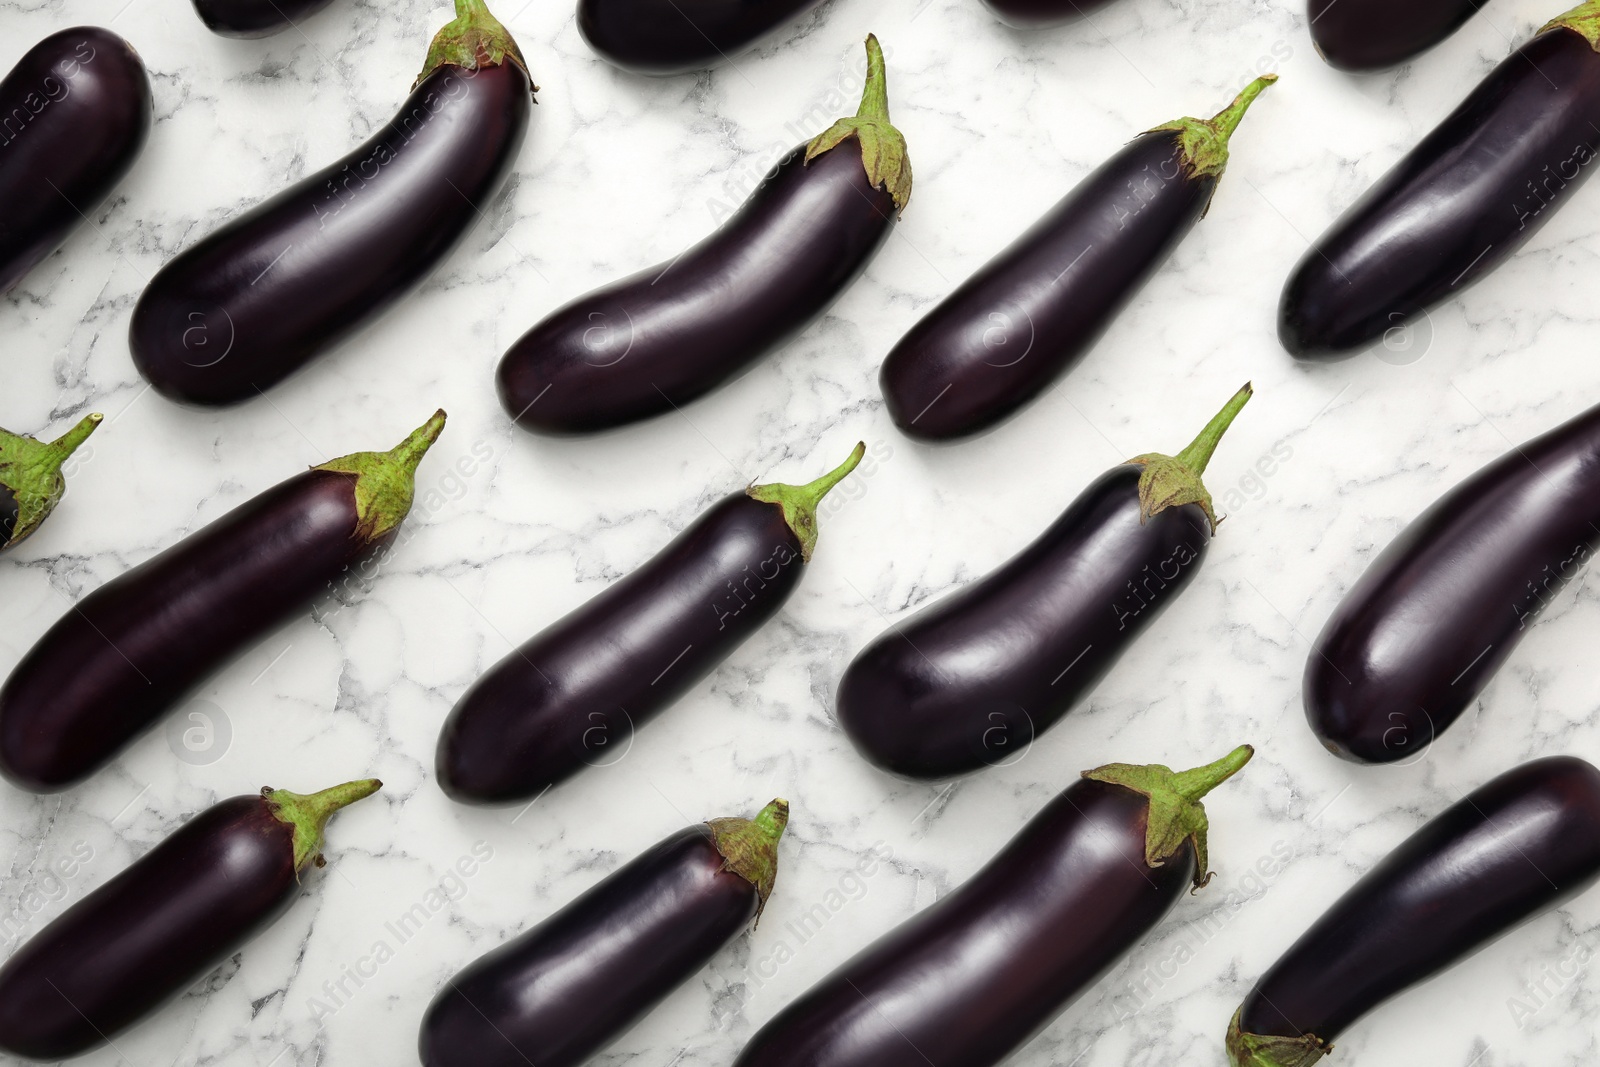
974 977
131 650
291 277
151 932
1515 848
1415 641
558 994
31 484
1033 311
1040 14
679 36
75 113
250 19
1364 35
573 695
655 341
971 680
1460 203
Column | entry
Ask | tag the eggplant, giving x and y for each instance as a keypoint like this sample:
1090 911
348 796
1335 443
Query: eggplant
252 19
151 932
1040 14
31 484
295 275
656 340
965 367
679 36
1521 845
971 680
134 648
559 993
974 977
573 694
75 112
1368 35
1420 635
1459 204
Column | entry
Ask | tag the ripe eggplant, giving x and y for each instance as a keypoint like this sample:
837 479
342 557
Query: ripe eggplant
1040 14
1415 641
975 976
1521 845
250 19
562 991
574 693
965 366
293 276
1366 35
75 113
1460 203
151 932
679 36
30 478
655 341
131 650
971 680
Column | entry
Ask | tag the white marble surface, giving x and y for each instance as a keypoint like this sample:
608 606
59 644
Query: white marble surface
620 172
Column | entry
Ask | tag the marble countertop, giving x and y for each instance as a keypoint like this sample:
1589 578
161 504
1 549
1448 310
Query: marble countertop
1321 470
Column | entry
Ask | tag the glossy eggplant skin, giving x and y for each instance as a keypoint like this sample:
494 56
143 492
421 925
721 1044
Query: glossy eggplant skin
1042 14
970 979
150 933
251 19
1012 329
1456 206
1368 35
655 341
75 113
1423 631
969 681
292 277
560 992
1515 848
573 695
679 36
8 514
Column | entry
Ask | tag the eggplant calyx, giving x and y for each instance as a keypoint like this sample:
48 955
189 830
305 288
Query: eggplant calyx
1205 141
1268 1050
1176 814
749 847
308 815
1583 20
385 482
1169 481
31 470
473 40
799 502
883 148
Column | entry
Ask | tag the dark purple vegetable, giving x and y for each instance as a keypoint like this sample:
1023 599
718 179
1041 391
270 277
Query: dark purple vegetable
973 978
75 113
1521 845
1415 641
1033 311
570 986
255 18
291 277
131 650
1363 35
30 478
158 927
1039 14
573 695
655 341
971 680
678 36
1460 203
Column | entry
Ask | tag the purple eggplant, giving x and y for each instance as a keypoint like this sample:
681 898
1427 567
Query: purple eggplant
1040 14
292 277
1366 35
1521 845
1011 330
655 341
573 695
971 680
31 484
559 993
134 648
1460 203
1415 641
75 113
971 979
154 930
679 36
249 19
